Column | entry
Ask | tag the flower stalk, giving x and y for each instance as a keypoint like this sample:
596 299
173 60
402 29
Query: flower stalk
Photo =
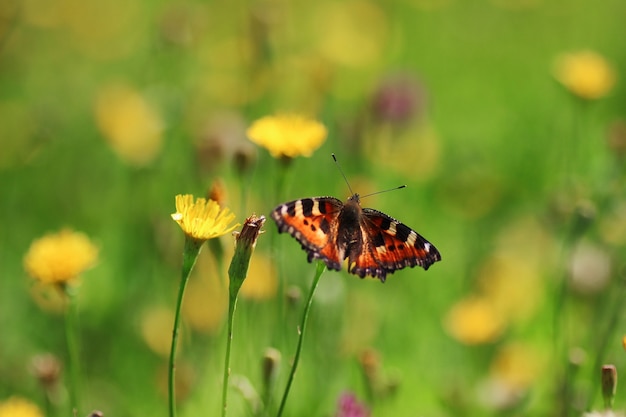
190 254
71 328
200 220
58 259
237 271
321 266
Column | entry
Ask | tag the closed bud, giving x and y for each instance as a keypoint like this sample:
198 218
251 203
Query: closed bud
293 296
217 192
609 384
270 366
245 242
243 159
47 369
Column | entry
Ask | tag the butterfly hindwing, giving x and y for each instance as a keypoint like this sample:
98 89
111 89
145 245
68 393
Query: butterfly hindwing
388 245
313 223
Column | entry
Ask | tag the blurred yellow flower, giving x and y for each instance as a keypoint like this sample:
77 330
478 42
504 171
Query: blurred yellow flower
513 285
473 321
203 219
287 135
585 74
156 329
513 371
206 297
353 33
19 407
517 365
129 124
262 281
362 323
60 257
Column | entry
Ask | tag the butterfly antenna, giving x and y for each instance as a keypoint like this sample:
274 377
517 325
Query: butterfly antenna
342 174
384 191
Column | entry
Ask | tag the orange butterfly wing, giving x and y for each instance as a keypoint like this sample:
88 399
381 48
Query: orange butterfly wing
313 223
388 245
374 243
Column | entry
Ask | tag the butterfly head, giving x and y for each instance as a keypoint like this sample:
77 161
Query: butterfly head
355 198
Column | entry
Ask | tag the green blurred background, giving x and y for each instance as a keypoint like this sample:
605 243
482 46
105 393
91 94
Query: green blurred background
110 109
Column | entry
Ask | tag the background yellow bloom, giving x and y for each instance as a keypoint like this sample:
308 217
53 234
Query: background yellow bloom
262 280
586 74
60 257
19 407
289 135
129 123
495 151
517 364
474 320
206 297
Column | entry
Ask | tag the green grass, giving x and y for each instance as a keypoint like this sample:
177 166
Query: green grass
505 131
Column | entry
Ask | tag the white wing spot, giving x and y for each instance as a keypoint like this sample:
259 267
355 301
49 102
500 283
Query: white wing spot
427 247
392 229
316 208
411 239
298 210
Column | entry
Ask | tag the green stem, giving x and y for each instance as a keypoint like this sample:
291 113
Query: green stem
190 254
237 271
605 337
318 273
232 306
71 327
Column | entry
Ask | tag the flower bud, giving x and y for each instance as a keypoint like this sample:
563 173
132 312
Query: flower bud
270 367
245 242
609 384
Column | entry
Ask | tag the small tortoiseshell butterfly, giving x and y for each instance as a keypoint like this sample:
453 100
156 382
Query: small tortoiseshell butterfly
374 243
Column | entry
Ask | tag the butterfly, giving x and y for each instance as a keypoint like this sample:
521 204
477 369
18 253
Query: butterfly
374 243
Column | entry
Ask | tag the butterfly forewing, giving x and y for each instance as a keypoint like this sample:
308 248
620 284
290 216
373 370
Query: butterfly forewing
313 222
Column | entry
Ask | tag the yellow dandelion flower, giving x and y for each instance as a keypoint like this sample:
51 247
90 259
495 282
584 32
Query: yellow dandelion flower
19 407
129 124
202 220
474 321
60 257
287 135
585 74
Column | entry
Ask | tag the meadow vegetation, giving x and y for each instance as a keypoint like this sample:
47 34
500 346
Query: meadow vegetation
504 118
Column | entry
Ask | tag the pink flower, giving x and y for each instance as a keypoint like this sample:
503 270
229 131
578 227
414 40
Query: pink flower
349 406
399 99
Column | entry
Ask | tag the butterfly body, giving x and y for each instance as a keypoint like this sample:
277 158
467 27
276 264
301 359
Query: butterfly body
374 243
